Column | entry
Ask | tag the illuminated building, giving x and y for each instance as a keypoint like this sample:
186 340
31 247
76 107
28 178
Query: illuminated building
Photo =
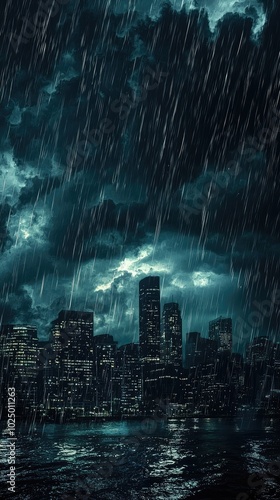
220 330
172 334
129 369
149 319
105 348
19 350
70 385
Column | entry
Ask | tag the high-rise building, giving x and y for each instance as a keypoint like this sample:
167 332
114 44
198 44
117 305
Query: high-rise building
130 379
172 334
70 385
220 330
18 365
149 319
105 348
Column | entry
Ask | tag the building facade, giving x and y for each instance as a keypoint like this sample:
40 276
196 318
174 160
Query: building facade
220 330
172 334
149 319
18 364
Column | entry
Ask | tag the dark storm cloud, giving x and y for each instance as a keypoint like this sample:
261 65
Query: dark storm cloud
90 233
38 188
5 212
19 306
89 64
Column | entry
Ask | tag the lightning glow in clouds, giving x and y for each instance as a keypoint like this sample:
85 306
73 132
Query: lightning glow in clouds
201 279
216 9
219 8
136 266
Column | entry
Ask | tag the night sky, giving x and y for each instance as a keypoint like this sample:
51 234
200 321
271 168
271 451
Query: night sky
95 195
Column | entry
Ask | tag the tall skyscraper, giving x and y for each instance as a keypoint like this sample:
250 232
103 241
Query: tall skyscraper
220 330
71 381
130 378
149 319
172 334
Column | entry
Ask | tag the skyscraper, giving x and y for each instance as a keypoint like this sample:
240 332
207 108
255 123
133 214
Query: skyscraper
130 378
71 381
172 334
149 319
220 330
105 348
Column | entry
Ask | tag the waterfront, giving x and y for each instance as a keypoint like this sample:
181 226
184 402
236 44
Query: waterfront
197 459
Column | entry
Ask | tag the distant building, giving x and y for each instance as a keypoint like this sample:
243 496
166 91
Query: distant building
172 334
149 319
220 330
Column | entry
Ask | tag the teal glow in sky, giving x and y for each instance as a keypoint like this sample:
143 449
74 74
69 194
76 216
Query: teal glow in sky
216 9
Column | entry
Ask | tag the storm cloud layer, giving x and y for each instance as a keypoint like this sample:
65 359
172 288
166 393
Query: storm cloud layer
136 140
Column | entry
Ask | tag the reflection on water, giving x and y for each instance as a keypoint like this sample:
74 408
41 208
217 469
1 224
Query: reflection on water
194 459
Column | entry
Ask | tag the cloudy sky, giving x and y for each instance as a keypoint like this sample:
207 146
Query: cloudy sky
140 139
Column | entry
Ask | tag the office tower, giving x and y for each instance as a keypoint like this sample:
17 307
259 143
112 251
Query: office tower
220 330
105 348
18 352
149 319
130 379
172 334
71 383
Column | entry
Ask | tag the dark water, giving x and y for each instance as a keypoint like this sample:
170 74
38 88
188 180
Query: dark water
198 459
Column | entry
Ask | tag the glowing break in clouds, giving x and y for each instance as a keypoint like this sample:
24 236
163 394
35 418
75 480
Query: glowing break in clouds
135 265
219 8
216 9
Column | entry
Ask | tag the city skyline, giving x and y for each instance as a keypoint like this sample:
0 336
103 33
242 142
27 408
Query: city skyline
249 329
79 374
158 326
